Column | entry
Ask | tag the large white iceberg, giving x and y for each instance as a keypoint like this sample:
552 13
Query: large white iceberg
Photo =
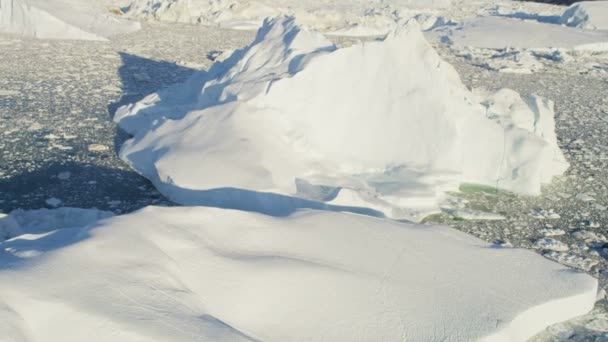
61 19
386 125
203 274
591 15
346 17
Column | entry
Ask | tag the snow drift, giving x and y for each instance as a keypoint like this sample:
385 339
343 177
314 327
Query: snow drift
346 17
61 19
385 125
203 274
591 15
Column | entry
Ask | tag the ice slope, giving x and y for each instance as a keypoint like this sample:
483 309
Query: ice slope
346 17
385 125
592 15
61 19
203 274
500 33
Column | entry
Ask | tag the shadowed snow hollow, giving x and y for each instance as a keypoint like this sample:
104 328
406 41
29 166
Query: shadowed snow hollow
20 222
203 274
345 17
61 19
385 125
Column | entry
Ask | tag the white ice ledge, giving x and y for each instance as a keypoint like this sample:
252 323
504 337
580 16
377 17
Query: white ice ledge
202 274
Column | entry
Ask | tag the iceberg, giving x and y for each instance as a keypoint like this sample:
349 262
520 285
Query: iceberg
386 125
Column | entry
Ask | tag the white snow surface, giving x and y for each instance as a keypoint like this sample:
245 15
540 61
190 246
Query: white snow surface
591 15
204 274
20 222
499 33
385 125
61 19
345 17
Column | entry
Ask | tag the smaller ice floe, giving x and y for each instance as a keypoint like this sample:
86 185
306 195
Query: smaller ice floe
592 239
542 214
204 274
53 202
38 221
584 197
61 19
590 15
8 92
505 45
97 148
384 125
548 232
515 61
499 33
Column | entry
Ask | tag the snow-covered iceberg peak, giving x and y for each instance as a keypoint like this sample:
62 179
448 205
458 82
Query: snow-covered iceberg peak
386 125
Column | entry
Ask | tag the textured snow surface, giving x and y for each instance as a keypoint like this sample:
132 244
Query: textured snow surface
61 19
385 125
346 17
203 274
592 15
499 32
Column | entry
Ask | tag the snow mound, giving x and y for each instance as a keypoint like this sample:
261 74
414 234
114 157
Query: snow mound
499 33
385 125
344 17
203 274
61 19
591 15
20 222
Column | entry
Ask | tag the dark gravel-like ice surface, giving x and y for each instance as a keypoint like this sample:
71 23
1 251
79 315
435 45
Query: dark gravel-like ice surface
57 140
58 145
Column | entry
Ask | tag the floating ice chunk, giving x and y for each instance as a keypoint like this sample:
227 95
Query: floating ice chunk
552 232
53 202
544 214
65 175
203 274
97 148
591 15
592 239
551 245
